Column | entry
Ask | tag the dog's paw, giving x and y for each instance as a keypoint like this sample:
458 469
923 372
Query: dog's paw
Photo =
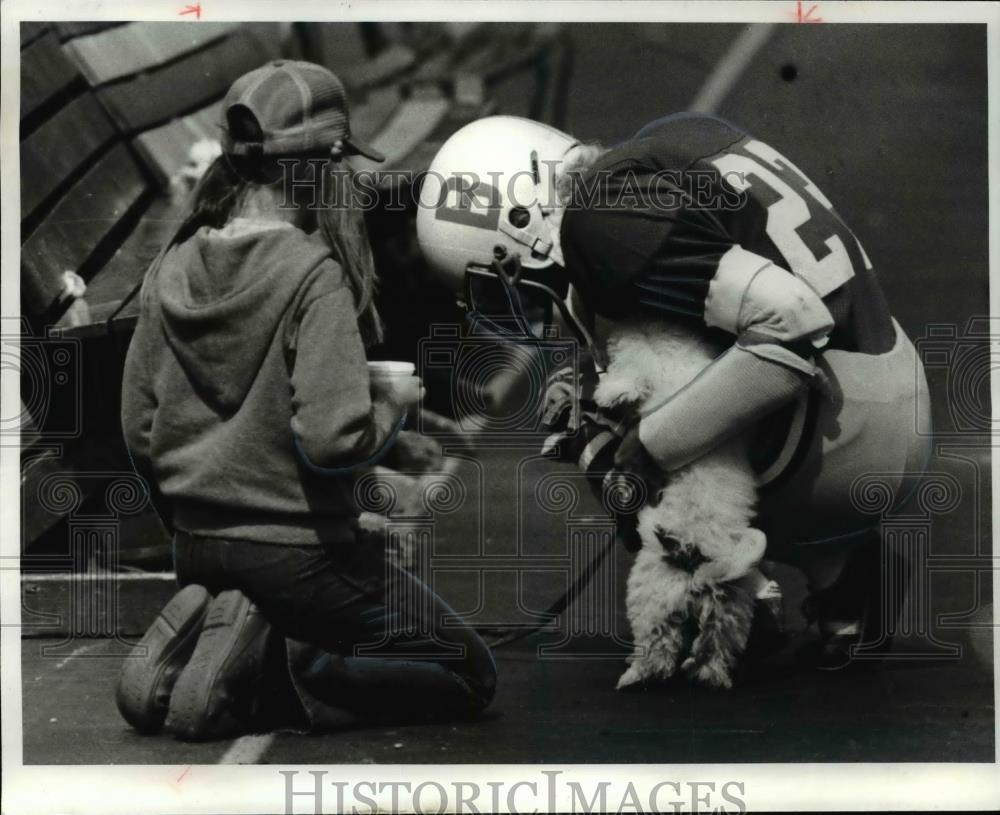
615 390
714 673
712 670
634 675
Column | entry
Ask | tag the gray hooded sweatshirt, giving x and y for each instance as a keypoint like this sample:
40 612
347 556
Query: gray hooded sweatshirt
246 395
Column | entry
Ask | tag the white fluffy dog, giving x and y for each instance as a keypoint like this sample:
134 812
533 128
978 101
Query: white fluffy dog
692 587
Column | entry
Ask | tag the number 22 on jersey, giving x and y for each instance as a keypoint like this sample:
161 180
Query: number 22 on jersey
800 220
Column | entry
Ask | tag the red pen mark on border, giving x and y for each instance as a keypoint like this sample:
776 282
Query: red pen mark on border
195 10
181 776
807 16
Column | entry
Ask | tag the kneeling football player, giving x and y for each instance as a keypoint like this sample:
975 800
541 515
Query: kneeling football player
696 223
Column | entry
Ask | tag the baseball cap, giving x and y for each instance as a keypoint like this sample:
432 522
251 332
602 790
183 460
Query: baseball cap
299 107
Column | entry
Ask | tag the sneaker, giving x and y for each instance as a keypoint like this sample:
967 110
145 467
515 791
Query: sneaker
150 672
217 695
767 632
854 618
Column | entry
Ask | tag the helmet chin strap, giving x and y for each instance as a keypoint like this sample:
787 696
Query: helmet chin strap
540 237
581 331
537 228
536 238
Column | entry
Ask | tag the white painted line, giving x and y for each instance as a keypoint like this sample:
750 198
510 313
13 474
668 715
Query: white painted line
730 68
247 749
58 577
83 649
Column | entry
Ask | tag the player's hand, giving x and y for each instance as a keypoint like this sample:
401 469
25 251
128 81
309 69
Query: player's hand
632 457
630 449
569 394
560 408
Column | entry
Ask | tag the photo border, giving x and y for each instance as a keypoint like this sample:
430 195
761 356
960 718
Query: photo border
260 789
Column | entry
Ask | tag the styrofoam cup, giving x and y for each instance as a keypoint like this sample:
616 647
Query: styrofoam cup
387 369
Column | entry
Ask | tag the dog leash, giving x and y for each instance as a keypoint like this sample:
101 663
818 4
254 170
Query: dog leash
560 605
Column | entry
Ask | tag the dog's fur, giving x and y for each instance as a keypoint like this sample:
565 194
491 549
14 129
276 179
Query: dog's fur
686 603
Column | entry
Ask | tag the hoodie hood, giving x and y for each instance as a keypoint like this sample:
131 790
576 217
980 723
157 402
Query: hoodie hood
223 295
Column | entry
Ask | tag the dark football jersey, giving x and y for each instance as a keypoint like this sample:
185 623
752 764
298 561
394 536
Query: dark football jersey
651 220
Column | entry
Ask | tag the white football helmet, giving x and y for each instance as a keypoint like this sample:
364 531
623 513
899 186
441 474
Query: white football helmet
487 220
491 190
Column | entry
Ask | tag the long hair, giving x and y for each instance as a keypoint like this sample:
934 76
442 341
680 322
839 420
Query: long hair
220 195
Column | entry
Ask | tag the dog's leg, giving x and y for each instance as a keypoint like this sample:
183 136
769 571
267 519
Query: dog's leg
657 608
655 658
725 615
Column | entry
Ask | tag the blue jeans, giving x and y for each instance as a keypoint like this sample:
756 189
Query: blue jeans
363 636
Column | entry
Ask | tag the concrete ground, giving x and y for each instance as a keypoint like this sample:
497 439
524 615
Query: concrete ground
566 712
891 123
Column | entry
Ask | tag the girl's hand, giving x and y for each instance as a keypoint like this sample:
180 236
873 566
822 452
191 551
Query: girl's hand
402 391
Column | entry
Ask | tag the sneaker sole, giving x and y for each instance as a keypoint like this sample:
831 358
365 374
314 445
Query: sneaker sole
193 715
171 639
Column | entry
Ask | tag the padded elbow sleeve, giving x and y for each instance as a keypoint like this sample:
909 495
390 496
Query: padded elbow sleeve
749 295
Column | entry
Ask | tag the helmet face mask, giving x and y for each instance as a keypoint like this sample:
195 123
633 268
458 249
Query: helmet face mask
508 303
518 305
